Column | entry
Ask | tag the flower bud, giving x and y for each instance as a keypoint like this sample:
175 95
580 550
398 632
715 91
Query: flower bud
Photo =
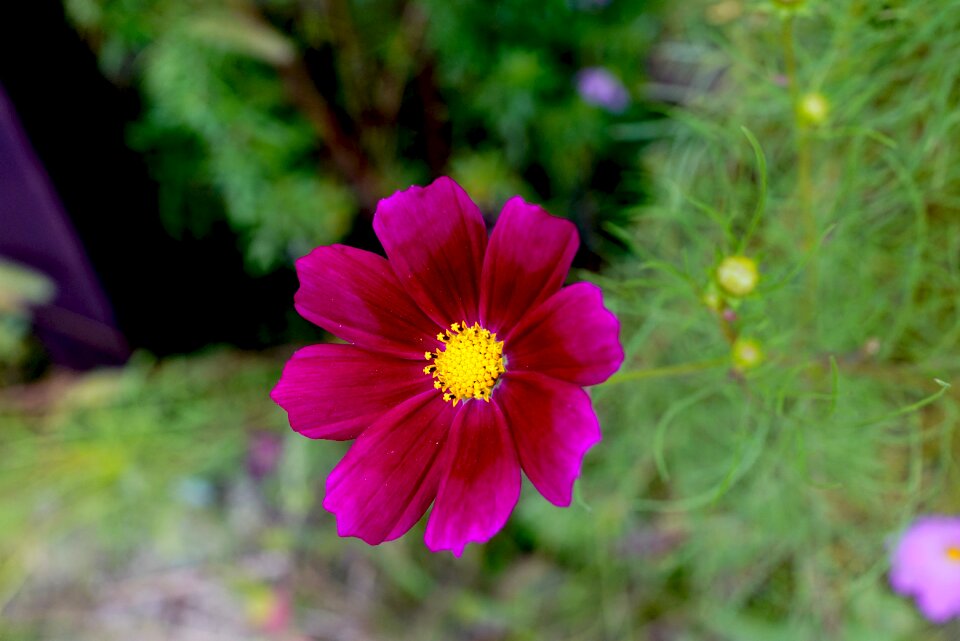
814 108
712 298
746 354
737 275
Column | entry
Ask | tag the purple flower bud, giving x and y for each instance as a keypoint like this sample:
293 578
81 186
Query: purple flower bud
926 566
599 87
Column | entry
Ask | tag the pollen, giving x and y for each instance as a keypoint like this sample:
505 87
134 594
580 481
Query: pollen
468 365
953 553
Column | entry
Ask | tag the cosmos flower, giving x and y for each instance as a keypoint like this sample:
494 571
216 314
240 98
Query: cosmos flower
599 87
465 363
926 566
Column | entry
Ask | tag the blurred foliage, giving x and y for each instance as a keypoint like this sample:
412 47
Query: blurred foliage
118 467
789 481
290 118
20 289
731 499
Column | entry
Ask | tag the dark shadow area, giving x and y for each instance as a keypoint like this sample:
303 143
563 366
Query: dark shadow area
169 295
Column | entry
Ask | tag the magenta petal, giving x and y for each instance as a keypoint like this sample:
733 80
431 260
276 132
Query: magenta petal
435 239
940 603
553 426
336 391
528 259
355 295
482 482
390 475
571 336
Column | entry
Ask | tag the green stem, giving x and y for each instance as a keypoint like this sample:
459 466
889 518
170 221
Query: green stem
801 135
808 219
668 371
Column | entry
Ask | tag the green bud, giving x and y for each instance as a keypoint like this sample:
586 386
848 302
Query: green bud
746 353
737 275
814 108
712 298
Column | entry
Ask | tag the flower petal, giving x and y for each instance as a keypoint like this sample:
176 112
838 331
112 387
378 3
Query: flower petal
355 295
528 259
553 426
390 475
940 601
571 336
482 482
336 391
435 239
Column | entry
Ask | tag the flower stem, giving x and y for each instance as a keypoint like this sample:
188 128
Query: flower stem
801 134
670 370
808 220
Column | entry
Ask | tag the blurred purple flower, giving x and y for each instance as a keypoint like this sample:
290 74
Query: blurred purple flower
599 87
926 565
263 453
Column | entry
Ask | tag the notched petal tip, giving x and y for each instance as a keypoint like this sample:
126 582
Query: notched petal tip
571 336
528 259
416 192
328 393
482 483
355 295
456 550
607 325
564 498
435 239
347 530
388 478
538 215
553 425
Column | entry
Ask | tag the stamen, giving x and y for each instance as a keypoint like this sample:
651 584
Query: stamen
469 364
953 553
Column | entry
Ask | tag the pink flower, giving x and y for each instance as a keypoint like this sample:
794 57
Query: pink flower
465 365
926 565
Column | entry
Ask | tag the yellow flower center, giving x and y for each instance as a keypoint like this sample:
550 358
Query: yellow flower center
953 553
469 364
